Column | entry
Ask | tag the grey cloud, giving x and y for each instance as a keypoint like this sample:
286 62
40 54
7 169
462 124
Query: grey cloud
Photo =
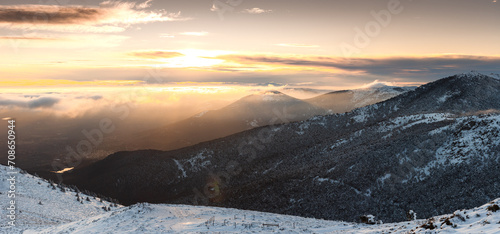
95 97
49 14
31 96
393 66
43 102
11 103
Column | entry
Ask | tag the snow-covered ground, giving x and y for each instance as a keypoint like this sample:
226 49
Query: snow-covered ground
148 218
43 204
65 212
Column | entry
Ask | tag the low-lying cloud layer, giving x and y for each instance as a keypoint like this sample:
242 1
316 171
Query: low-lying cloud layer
43 102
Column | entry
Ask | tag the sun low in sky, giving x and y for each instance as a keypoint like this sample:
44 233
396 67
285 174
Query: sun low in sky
328 44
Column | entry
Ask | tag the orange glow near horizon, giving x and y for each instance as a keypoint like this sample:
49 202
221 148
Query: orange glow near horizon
64 83
122 70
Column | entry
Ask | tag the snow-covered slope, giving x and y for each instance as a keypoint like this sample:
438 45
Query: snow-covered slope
41 203
483 219
64 212
148 218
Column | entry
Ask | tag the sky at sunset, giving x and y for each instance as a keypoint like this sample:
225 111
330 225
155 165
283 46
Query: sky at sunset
320 44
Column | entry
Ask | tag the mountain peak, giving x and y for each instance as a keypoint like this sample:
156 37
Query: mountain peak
458 94
471 74
466 92
268 96
376 84
471 80
271 92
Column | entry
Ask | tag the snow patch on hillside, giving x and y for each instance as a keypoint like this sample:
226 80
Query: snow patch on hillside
254 123
405 122
201 114
362 115
338 143
447 96
382 179
303 126
181 168
198 161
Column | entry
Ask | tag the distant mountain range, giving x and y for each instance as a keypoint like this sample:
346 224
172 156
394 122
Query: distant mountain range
265 108
433 150
257 110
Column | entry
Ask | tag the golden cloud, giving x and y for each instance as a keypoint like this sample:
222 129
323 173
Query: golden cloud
156 54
